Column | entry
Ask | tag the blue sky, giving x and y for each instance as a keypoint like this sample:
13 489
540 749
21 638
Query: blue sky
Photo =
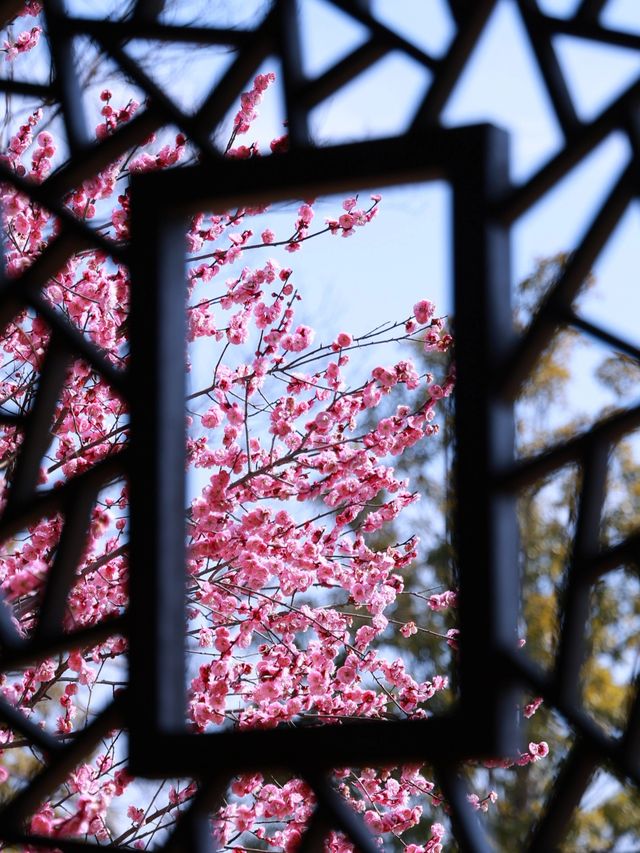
501 85
405 254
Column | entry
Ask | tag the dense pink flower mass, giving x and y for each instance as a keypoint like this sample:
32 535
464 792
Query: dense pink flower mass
293 461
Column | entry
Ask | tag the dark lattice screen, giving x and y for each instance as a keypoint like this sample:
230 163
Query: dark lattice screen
493 363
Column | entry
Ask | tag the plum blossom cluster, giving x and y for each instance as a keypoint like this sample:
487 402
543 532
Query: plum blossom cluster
293 461
318 444
535 752
15 45
25 42
353 218
27 39
250 100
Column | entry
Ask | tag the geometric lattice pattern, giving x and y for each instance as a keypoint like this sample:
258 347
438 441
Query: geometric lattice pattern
492 366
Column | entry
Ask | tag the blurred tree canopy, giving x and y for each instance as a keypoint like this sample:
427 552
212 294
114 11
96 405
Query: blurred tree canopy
608 816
